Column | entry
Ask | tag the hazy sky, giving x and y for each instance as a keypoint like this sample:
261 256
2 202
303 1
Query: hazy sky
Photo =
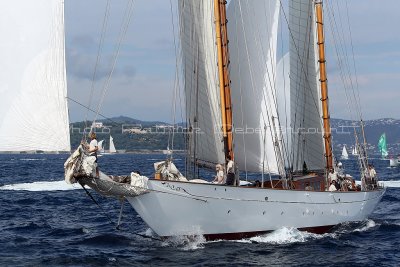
142 84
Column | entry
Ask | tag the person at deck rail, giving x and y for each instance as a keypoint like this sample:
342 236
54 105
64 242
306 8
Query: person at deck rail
333 186
340 171
332 175
219 178
230 171
372 172
92 150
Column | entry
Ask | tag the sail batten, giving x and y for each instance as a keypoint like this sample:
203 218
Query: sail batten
33 107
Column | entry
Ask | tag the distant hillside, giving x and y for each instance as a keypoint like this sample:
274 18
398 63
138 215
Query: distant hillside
344 133
132 134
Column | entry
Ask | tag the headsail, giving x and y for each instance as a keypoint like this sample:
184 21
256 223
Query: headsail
307 142
253 34
33 105
199 57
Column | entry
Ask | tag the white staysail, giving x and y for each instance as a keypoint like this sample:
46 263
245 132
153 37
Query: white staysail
112 147
199 58
253 31
305 93
33 104
345 155
283 100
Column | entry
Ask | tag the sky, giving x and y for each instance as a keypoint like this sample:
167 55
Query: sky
143 80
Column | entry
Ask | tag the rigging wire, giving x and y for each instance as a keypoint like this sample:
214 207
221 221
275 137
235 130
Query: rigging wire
339 48
241 96
122 34
176 83
315 102
109 218
92 110
99 51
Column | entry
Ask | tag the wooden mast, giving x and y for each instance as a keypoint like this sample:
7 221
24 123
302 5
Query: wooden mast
324 85
223 73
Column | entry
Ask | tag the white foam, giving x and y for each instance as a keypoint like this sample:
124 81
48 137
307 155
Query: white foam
386 183
41 186
195 240
391 183
32 159
369 224
286 236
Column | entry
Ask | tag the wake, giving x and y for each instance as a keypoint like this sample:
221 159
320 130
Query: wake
41 186
391 184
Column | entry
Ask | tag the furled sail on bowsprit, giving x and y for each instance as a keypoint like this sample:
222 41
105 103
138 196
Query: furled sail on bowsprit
305 93
199 57
33 105
253 29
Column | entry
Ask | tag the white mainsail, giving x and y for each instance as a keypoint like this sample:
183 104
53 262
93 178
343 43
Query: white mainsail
305 93
112 146
253 40
33 104
199 58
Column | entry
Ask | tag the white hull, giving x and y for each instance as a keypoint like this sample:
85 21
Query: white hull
182 208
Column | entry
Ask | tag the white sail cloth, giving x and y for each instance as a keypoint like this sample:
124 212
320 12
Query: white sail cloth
253 28
199 56
112 146
305 93
33 104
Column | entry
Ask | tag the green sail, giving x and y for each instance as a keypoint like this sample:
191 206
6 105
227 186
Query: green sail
382 146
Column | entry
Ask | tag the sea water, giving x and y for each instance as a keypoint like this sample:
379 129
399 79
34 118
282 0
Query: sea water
45 222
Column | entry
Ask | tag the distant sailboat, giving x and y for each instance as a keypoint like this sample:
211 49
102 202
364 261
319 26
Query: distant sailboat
354 151
382 146
345 155
112 146
33 103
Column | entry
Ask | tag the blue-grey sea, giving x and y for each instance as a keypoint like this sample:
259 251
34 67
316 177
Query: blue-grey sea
44 222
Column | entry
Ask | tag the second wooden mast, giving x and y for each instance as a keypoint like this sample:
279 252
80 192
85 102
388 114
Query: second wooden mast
324 84
223 73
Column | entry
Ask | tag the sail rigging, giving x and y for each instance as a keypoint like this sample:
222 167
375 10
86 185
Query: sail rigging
305 89
199 57
257 135
33 106
171 206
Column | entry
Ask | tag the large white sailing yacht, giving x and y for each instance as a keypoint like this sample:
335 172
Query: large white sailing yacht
235 97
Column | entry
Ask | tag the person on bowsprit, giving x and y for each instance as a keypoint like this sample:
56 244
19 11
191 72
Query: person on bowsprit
230 171
219 177
92 150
